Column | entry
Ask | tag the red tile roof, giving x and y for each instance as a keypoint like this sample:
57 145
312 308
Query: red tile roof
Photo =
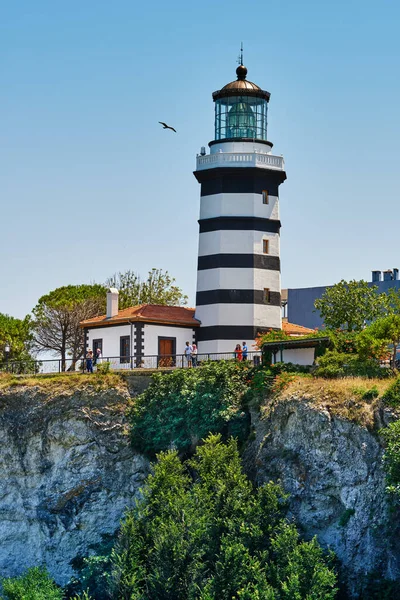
147 313
293 329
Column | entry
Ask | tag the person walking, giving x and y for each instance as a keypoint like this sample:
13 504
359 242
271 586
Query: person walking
194 355
188 354
244 351
89 361
238 353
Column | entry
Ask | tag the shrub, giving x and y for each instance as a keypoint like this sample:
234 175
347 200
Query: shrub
102 368
34 584
392 394
391 457
202 531
180 408
338 364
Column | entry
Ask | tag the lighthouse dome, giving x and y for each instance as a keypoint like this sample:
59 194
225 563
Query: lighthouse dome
241 86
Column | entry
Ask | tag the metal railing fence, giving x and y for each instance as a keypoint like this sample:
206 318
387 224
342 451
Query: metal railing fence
118 363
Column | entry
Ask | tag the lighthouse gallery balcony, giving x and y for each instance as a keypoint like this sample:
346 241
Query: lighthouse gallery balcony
240 159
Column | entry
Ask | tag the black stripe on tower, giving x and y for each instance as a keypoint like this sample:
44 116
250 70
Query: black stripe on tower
239 180
230 332
239 261
239 224
237 297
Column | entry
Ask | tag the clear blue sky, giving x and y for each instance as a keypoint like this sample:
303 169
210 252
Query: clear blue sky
90 184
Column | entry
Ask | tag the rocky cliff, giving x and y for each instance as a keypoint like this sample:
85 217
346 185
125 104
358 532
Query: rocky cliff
332 469
67 474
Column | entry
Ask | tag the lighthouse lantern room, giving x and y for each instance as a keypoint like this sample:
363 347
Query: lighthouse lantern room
238 277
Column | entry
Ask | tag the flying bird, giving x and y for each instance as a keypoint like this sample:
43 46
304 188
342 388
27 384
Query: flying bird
165 126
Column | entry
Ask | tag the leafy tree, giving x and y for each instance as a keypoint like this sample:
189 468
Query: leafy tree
374 340
158 288
182 407
18 334
349 304
202 532
58 316
34 584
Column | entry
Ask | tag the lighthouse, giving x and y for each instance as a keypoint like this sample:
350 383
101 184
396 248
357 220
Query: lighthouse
238 274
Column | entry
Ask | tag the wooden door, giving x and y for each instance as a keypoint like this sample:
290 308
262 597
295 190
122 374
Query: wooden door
166 351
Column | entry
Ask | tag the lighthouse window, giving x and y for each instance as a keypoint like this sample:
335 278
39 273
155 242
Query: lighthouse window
265 197
265 246
267 296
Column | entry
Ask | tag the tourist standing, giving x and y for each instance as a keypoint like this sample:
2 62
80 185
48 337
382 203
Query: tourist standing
238 353
194 355
89 361
244 350
188 354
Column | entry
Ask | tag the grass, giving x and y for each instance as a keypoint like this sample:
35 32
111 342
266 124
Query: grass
349 398
63 382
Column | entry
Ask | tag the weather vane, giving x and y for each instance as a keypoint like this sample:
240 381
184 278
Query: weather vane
240 57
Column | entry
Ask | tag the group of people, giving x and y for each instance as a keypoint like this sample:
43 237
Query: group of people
241 352
190 353
92 359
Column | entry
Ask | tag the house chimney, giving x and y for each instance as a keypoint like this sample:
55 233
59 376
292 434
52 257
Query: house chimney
112 303
396 274
376 276
387 275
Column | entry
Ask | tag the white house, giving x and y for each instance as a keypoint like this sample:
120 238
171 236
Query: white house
148 335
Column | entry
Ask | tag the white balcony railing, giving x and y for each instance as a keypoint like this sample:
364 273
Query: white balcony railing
240 159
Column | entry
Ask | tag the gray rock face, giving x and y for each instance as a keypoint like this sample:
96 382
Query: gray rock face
333 471
67 474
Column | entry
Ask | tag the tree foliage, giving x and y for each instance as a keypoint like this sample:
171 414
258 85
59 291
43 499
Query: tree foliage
391 457
18 334
202 532
158 288
58 316
181 407
350 304
374 340
34 584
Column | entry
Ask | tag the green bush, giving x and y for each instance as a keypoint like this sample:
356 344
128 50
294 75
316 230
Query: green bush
34 584
103 367
339 364
392 394
180 408
202 531
391 457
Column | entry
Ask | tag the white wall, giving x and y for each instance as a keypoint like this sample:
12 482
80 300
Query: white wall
298 356
151 333
236 205
110 336
238 279
262 315
111 340
237 242
225 346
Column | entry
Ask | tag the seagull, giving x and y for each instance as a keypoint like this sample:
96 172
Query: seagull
166 126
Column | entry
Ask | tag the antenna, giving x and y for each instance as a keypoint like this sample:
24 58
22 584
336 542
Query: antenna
239 59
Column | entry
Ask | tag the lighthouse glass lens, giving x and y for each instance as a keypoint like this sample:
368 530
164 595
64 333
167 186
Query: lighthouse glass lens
241 117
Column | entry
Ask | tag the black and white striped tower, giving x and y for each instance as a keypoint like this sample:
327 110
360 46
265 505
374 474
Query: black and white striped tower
238 278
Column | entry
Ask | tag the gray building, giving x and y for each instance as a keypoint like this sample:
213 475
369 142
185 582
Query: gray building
300 301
